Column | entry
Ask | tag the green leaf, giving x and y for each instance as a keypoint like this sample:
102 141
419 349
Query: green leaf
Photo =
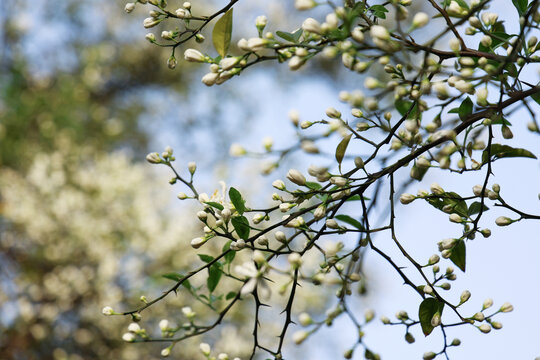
173 276
205 258
459 254
378 11
292 37
536 97
499 151
403 106
230 295
521 6
221 35
475 208
341 148
285 35
349 220
215 205
313 185
241 225
214 275
229 257
297 34
236 199
428 308
454 111
466 108
459 206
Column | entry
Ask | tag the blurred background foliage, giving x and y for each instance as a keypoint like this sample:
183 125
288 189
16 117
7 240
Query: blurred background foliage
84 222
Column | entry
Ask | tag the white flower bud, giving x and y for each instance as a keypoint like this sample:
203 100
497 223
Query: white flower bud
503 221
128 337
296 177
456 218
183 13
311 25
319 212
202 215
295 260
487 304
257 218
436 320
192 167
338 181
300 336
332 224
455 45
198 242
304 4
479 316
506 307
205 349
129 7
429 355
434 259
369 314
210 78
166 352
279 184
385 320
150 22
262 240
229 62
237 150
281 237
406 198
134 327
379 32
223 356
420 20
296 63
486 40
357 34
107 311
489 18
475 22
465 295
485 328
333 113
304 319
256 44
261 21
164 325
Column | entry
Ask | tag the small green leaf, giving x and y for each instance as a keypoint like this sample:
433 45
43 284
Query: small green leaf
349 220
205 258
313 185
378 11
229 257
499 151
236 199
173 276
454 111
466 108
221 35
241 225
285 35
521 6
214 275
459 254
428 308
536 97
230 295
475 208
341 148
215 205
459 206
403 106
297 34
